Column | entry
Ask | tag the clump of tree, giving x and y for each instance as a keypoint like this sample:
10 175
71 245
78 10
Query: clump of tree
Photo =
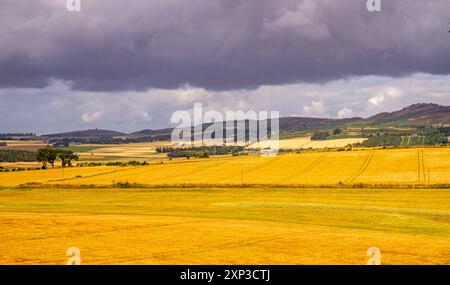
188 154
66 157
382 140
16 156
210 150
49 155
337 132
320 135
129 163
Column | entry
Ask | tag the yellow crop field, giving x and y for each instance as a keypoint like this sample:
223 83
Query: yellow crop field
335 143
55 174
146 151
32 164
224 226
234 210
293 143
305 143
426 166
32 146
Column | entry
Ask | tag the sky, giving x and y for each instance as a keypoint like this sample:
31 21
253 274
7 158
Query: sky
128 65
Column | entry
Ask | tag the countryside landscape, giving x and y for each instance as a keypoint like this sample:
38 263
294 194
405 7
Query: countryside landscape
335 189
243 134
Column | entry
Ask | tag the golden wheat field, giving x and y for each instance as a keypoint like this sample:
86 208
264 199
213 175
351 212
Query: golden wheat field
306 143
234 210
136 151
424 166
23 145
224 226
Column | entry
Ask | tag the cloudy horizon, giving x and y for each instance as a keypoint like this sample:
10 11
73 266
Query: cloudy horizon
128 67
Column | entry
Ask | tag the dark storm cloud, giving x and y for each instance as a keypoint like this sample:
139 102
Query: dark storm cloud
217 44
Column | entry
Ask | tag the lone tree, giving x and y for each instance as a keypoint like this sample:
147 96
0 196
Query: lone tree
337 131
47 156
66 157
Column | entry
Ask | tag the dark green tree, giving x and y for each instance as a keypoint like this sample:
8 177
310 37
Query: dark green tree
337 131
66 157
47 156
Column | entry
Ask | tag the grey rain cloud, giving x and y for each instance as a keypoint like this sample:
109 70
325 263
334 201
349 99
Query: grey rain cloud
116 45
56 108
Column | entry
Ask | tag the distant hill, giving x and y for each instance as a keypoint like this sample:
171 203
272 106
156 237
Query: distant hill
303 123
94 133
414 115
154 132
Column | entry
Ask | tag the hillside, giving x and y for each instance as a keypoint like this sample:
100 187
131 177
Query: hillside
414 115
303 123
94 133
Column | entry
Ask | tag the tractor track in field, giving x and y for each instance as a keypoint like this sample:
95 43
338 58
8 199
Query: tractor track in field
421 167
362 168
314 164
307 169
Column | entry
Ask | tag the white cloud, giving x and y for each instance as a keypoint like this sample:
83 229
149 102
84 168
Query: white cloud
58 108
92 117
345 113
317 108
376 100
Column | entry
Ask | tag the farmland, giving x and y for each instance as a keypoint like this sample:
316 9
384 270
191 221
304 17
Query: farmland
421 166
310 207
307 143
23 145
121 152
225 226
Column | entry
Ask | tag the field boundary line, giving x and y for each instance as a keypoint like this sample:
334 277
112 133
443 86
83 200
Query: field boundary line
126 185
89 176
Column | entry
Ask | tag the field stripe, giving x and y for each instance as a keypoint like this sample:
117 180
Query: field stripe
363 167
423 168
418 166
305 170
314 164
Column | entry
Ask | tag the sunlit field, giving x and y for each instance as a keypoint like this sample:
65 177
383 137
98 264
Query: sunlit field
22 145
426 166
122 152
306 143
225 226
234 210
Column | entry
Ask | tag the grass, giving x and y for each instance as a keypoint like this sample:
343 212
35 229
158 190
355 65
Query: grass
224 226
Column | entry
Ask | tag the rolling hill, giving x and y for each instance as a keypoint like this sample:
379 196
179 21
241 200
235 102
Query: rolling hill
93 133
414 115
417 115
